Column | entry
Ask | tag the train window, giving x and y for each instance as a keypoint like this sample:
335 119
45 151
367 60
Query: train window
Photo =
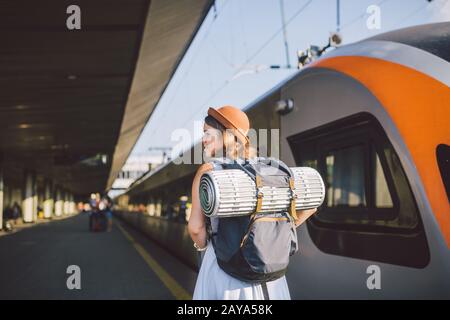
383 198
443 159
345 177
368 197
354 168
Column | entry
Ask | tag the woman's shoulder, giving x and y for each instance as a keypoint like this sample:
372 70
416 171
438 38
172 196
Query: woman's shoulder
204 168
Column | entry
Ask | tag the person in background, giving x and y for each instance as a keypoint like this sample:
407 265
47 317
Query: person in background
108 212
188 210
40 212
182 210
7 217
16 212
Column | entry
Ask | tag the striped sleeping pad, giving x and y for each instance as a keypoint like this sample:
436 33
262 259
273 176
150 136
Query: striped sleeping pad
232 192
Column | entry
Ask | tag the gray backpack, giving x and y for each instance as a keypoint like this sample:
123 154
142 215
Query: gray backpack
256 248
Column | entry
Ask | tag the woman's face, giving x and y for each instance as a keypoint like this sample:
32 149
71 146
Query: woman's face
212 141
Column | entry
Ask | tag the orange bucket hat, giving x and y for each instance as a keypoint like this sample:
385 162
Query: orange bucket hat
234 119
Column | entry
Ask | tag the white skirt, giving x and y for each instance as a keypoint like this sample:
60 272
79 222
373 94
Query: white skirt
214 284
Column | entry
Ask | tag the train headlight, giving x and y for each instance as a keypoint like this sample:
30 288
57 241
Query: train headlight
335 39
284 106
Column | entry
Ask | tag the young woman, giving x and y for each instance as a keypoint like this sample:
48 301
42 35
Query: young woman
225 135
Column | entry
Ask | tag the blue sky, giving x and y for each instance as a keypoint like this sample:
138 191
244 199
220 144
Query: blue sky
242 34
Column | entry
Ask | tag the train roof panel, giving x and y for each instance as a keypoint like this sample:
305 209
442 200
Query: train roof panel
433 38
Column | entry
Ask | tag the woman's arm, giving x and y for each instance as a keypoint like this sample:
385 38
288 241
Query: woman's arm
196 224
303 215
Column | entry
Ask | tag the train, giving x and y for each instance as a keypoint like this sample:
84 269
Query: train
373 117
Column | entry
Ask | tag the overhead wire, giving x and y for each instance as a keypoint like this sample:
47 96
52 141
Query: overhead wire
249 59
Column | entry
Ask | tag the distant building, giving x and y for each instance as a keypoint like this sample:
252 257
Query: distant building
134 168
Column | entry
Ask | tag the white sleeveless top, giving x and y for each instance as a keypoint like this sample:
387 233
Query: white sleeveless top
214 284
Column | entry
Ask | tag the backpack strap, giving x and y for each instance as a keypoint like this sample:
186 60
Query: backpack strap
219 163
293 203
259 194
265 290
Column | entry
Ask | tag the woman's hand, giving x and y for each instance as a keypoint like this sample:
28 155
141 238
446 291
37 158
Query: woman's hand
303 215
196 224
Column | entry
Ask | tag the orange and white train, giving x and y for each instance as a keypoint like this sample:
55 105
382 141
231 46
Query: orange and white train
374 118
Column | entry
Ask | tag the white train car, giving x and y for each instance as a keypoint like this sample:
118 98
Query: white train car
374 118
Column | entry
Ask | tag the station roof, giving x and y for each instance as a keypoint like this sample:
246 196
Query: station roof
73 102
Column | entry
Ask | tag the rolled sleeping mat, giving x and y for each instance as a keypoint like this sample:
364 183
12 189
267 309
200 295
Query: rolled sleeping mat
232 192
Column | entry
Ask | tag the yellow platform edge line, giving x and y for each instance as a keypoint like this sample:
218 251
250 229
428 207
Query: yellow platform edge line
174 287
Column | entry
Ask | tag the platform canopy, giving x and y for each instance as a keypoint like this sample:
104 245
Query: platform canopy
74 102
